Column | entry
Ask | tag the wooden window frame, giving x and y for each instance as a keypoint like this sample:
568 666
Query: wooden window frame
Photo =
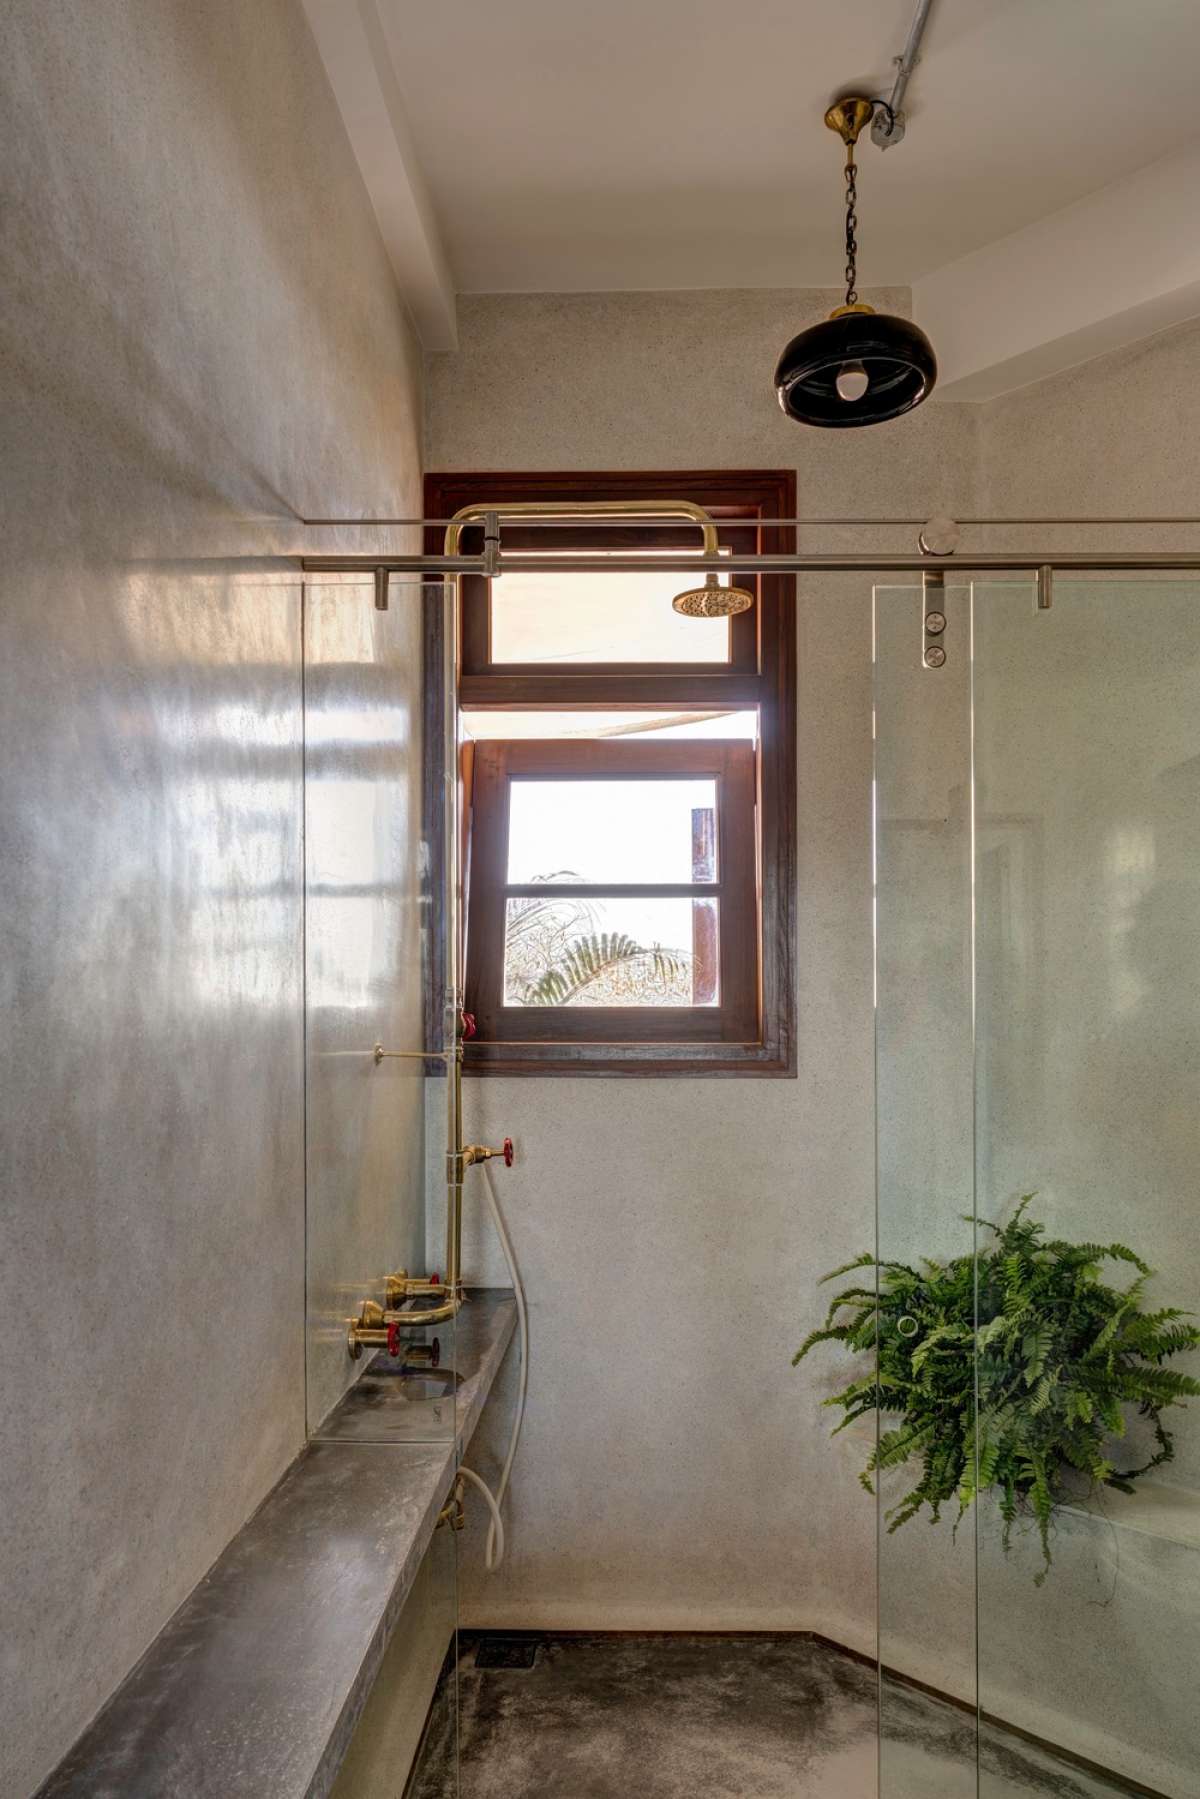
761 675
731 765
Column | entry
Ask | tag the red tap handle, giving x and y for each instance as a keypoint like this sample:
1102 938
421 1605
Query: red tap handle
468 1025
509 1152
396 1347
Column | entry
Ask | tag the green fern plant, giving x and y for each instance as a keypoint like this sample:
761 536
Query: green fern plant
1005 1369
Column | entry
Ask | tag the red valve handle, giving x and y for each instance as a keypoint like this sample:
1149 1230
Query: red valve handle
396 1347
469 1026
509 1152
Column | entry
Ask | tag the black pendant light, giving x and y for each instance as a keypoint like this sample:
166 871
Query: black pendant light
858 366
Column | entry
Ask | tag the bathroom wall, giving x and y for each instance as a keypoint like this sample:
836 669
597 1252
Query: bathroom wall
201 342
675 1471
1117 436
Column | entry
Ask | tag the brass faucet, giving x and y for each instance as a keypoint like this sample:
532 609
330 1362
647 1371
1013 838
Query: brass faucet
379 1327
375 1326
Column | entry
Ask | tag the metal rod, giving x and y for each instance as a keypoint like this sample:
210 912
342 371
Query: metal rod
883 562
622 523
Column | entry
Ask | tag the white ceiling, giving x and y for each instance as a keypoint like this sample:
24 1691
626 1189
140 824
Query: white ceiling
1042 205
679 143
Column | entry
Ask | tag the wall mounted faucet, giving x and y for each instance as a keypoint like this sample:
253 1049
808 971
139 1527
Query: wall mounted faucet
371 1328
379 1328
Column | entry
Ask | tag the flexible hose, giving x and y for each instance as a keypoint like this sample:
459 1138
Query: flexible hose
495 1546
496 1527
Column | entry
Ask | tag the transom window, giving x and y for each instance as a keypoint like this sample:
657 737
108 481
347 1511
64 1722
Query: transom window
629 793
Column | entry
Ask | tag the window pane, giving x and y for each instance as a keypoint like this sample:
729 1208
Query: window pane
568 619
479 726
611 832
561 951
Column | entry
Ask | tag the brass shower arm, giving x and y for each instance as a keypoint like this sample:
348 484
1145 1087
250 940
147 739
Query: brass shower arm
569 509
711 600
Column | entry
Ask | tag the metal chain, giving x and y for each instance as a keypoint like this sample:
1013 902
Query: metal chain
851 225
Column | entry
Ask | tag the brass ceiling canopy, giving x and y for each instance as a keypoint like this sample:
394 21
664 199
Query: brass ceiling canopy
857 367
847 117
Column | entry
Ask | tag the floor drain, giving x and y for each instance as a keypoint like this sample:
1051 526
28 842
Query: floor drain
506 1652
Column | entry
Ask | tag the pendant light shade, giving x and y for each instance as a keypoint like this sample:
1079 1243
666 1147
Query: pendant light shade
856 368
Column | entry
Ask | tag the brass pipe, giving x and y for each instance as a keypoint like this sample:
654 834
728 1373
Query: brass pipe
454 1178
566 509
710 600
372 1327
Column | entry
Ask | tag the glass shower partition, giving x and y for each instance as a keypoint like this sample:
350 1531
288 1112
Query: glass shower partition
380 773
1038 1063
1087 957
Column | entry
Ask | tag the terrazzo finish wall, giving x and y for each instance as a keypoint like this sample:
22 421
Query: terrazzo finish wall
201 340
674 1471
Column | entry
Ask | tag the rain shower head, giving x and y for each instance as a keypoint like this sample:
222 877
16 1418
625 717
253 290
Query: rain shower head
712 600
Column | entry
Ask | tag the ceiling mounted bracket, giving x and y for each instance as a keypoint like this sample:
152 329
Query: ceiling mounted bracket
888 124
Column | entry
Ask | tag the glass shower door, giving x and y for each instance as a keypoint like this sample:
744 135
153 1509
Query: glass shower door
1038 1069
1087 1077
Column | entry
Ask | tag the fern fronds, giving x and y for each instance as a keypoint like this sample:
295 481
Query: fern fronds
1022 1365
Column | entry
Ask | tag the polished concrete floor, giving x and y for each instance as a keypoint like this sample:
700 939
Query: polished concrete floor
712 1717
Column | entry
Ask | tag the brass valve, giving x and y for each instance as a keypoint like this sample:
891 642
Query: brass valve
480 1152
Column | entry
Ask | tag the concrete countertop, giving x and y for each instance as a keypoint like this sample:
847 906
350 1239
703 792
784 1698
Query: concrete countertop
256 1684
